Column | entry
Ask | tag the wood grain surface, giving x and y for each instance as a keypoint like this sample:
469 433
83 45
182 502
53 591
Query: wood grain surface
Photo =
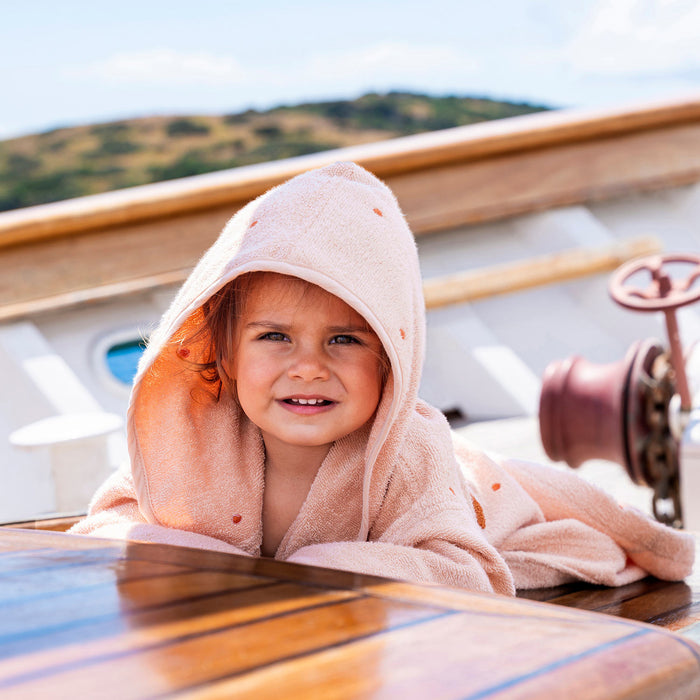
88 618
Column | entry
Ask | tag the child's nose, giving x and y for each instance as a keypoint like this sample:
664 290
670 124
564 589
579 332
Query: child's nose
309 365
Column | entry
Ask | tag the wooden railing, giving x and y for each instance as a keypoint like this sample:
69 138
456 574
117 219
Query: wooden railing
508 278
130 240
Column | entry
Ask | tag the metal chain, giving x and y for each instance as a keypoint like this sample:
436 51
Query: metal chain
659 451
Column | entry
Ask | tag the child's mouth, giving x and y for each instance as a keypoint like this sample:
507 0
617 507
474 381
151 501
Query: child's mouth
307 402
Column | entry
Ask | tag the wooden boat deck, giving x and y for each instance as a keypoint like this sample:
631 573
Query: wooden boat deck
675 606
83 617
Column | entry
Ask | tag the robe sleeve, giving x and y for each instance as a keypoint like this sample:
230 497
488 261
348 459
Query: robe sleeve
427 530
553 527
114 514
430 554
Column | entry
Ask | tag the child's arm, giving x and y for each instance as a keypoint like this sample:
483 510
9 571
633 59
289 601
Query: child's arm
443 547
114 514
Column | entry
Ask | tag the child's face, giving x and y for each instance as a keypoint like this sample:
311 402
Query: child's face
307 367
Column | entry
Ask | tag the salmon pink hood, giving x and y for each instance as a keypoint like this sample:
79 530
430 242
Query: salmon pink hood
338 227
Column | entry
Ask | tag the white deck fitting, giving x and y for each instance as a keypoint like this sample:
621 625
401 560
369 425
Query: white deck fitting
47 394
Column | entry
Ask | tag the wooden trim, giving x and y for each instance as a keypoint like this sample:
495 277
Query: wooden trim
91 295
100 247
465 193
85 617
386 159
548 269
443 291
57 524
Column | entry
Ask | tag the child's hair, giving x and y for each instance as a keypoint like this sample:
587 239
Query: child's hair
216 330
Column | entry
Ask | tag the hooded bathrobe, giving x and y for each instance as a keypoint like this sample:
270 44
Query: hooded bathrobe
402 497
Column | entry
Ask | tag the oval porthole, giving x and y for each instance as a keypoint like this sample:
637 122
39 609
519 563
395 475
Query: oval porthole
123 359
116 356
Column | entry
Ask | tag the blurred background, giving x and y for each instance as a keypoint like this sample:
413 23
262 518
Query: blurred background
82 62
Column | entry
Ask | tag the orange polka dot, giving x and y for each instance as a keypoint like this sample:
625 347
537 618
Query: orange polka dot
254 223
403 333
237 518
452 490
495 487
183 352
479 512
378 212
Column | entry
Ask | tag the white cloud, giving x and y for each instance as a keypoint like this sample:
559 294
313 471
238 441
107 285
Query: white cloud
375 66
639 37
391 62
167 67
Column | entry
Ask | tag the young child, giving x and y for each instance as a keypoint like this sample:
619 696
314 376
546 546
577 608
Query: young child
276 413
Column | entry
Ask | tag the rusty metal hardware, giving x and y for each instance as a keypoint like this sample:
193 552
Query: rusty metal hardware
665 294
658 462
621 411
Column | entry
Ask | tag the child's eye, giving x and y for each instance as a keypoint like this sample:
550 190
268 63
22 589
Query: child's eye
274 335
344 339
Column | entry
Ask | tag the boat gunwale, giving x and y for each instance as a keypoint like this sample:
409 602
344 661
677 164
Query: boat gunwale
474 142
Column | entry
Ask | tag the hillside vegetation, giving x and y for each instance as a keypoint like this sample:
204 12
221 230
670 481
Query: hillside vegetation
71 162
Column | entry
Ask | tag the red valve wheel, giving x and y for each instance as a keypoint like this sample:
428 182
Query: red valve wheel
663 292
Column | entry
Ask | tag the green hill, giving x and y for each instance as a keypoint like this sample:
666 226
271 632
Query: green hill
75 161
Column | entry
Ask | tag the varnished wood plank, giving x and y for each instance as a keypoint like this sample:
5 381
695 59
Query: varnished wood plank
451 289
516 183
224 651
453 599
88 295
306 631
460 658
19 542
60 524
115 636
114 244
654 604
45 560
419 152
507 278
673 605
106 257
589 596
52 577
88 605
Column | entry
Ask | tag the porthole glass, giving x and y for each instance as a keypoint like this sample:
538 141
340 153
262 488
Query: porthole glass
123 359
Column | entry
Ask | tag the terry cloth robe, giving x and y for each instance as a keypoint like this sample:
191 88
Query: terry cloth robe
400 497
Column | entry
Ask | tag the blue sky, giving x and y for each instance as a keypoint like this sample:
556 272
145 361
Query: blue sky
75 62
